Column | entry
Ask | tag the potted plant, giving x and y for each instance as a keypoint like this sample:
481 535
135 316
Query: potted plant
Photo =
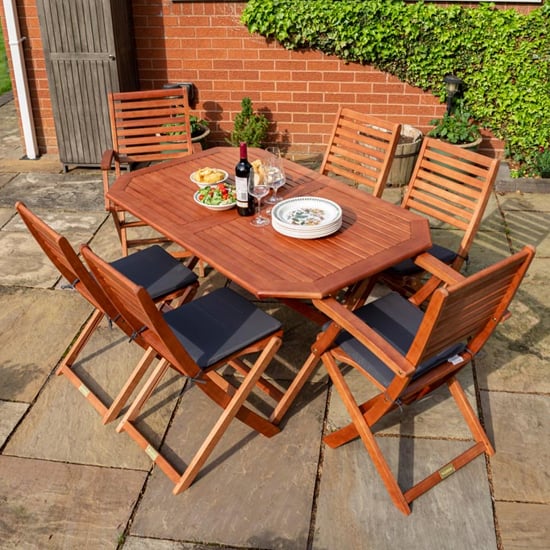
457 128
199 128
542 162
249 126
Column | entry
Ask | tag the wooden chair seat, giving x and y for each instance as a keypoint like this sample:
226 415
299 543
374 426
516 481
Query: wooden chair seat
164 277
407 352
361 149
196 340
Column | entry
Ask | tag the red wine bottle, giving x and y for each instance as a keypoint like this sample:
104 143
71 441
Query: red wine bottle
243 173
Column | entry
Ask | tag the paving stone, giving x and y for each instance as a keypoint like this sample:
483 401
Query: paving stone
500 368
354 509
105 242
516 357
435 416
518 426
523 526
10 414
5 216
528 328
36 327
253 492
72 192
5 177
104 365
139 543
529 227
54 505
526 202
24 263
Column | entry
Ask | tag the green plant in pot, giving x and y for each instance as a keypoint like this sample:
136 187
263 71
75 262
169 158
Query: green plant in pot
199 128
456 127
249 126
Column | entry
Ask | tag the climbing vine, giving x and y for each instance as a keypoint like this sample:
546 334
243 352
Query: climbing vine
502 56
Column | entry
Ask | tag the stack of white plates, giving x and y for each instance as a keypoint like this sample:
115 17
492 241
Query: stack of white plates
306 217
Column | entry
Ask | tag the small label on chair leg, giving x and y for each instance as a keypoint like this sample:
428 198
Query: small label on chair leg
446 471
83 390
151 453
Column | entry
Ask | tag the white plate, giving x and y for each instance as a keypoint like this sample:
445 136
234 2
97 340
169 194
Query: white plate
299 234
206 184
306 214
218 207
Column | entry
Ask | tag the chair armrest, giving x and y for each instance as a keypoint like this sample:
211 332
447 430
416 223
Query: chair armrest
107 159
436 267
440 273
347 320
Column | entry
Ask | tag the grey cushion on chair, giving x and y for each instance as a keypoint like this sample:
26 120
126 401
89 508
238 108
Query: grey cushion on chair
397 321
215 325
408 267
156 270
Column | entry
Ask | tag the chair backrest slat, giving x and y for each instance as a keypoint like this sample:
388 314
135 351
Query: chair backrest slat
150 125
361 149
451 185
469 311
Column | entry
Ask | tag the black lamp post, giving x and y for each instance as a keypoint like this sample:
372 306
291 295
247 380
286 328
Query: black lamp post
452 85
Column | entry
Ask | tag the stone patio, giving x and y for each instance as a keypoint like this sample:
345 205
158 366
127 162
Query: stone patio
70 482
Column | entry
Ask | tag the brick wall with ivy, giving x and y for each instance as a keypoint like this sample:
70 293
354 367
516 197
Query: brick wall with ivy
205 43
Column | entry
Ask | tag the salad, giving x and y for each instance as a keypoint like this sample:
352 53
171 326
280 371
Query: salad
217 195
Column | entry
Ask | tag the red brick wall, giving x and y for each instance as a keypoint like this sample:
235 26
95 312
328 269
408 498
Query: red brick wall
205 43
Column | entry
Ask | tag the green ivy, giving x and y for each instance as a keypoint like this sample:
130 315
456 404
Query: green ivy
502 56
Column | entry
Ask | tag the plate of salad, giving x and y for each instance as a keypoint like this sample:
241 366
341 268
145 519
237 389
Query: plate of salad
216 197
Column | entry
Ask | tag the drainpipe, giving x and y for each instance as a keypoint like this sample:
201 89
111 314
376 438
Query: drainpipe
15 42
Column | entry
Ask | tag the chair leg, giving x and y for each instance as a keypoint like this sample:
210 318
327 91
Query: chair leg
146 391
65 367
118 219
294 389
469 415
130 385
227 416
233 408
366 435
81 341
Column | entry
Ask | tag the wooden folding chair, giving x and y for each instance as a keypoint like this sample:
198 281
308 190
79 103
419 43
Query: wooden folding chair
408 353
197 339
361 149
165 277
146 126
451 186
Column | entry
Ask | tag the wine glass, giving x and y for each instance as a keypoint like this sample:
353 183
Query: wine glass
258 187
275 176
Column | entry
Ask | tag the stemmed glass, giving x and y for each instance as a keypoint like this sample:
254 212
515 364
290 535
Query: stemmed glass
276 178
258 187
273 167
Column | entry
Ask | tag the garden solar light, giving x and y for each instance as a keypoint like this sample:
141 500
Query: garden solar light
452 85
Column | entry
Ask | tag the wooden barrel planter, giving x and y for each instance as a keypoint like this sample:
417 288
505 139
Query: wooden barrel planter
405 156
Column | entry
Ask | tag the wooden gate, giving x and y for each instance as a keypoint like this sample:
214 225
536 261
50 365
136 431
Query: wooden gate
89 51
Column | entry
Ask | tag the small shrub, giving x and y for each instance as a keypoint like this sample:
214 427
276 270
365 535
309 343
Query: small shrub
249 126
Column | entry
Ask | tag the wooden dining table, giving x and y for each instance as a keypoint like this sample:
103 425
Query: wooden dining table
375 234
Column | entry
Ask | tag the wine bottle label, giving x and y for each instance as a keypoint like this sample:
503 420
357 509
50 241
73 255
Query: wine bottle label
241 191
